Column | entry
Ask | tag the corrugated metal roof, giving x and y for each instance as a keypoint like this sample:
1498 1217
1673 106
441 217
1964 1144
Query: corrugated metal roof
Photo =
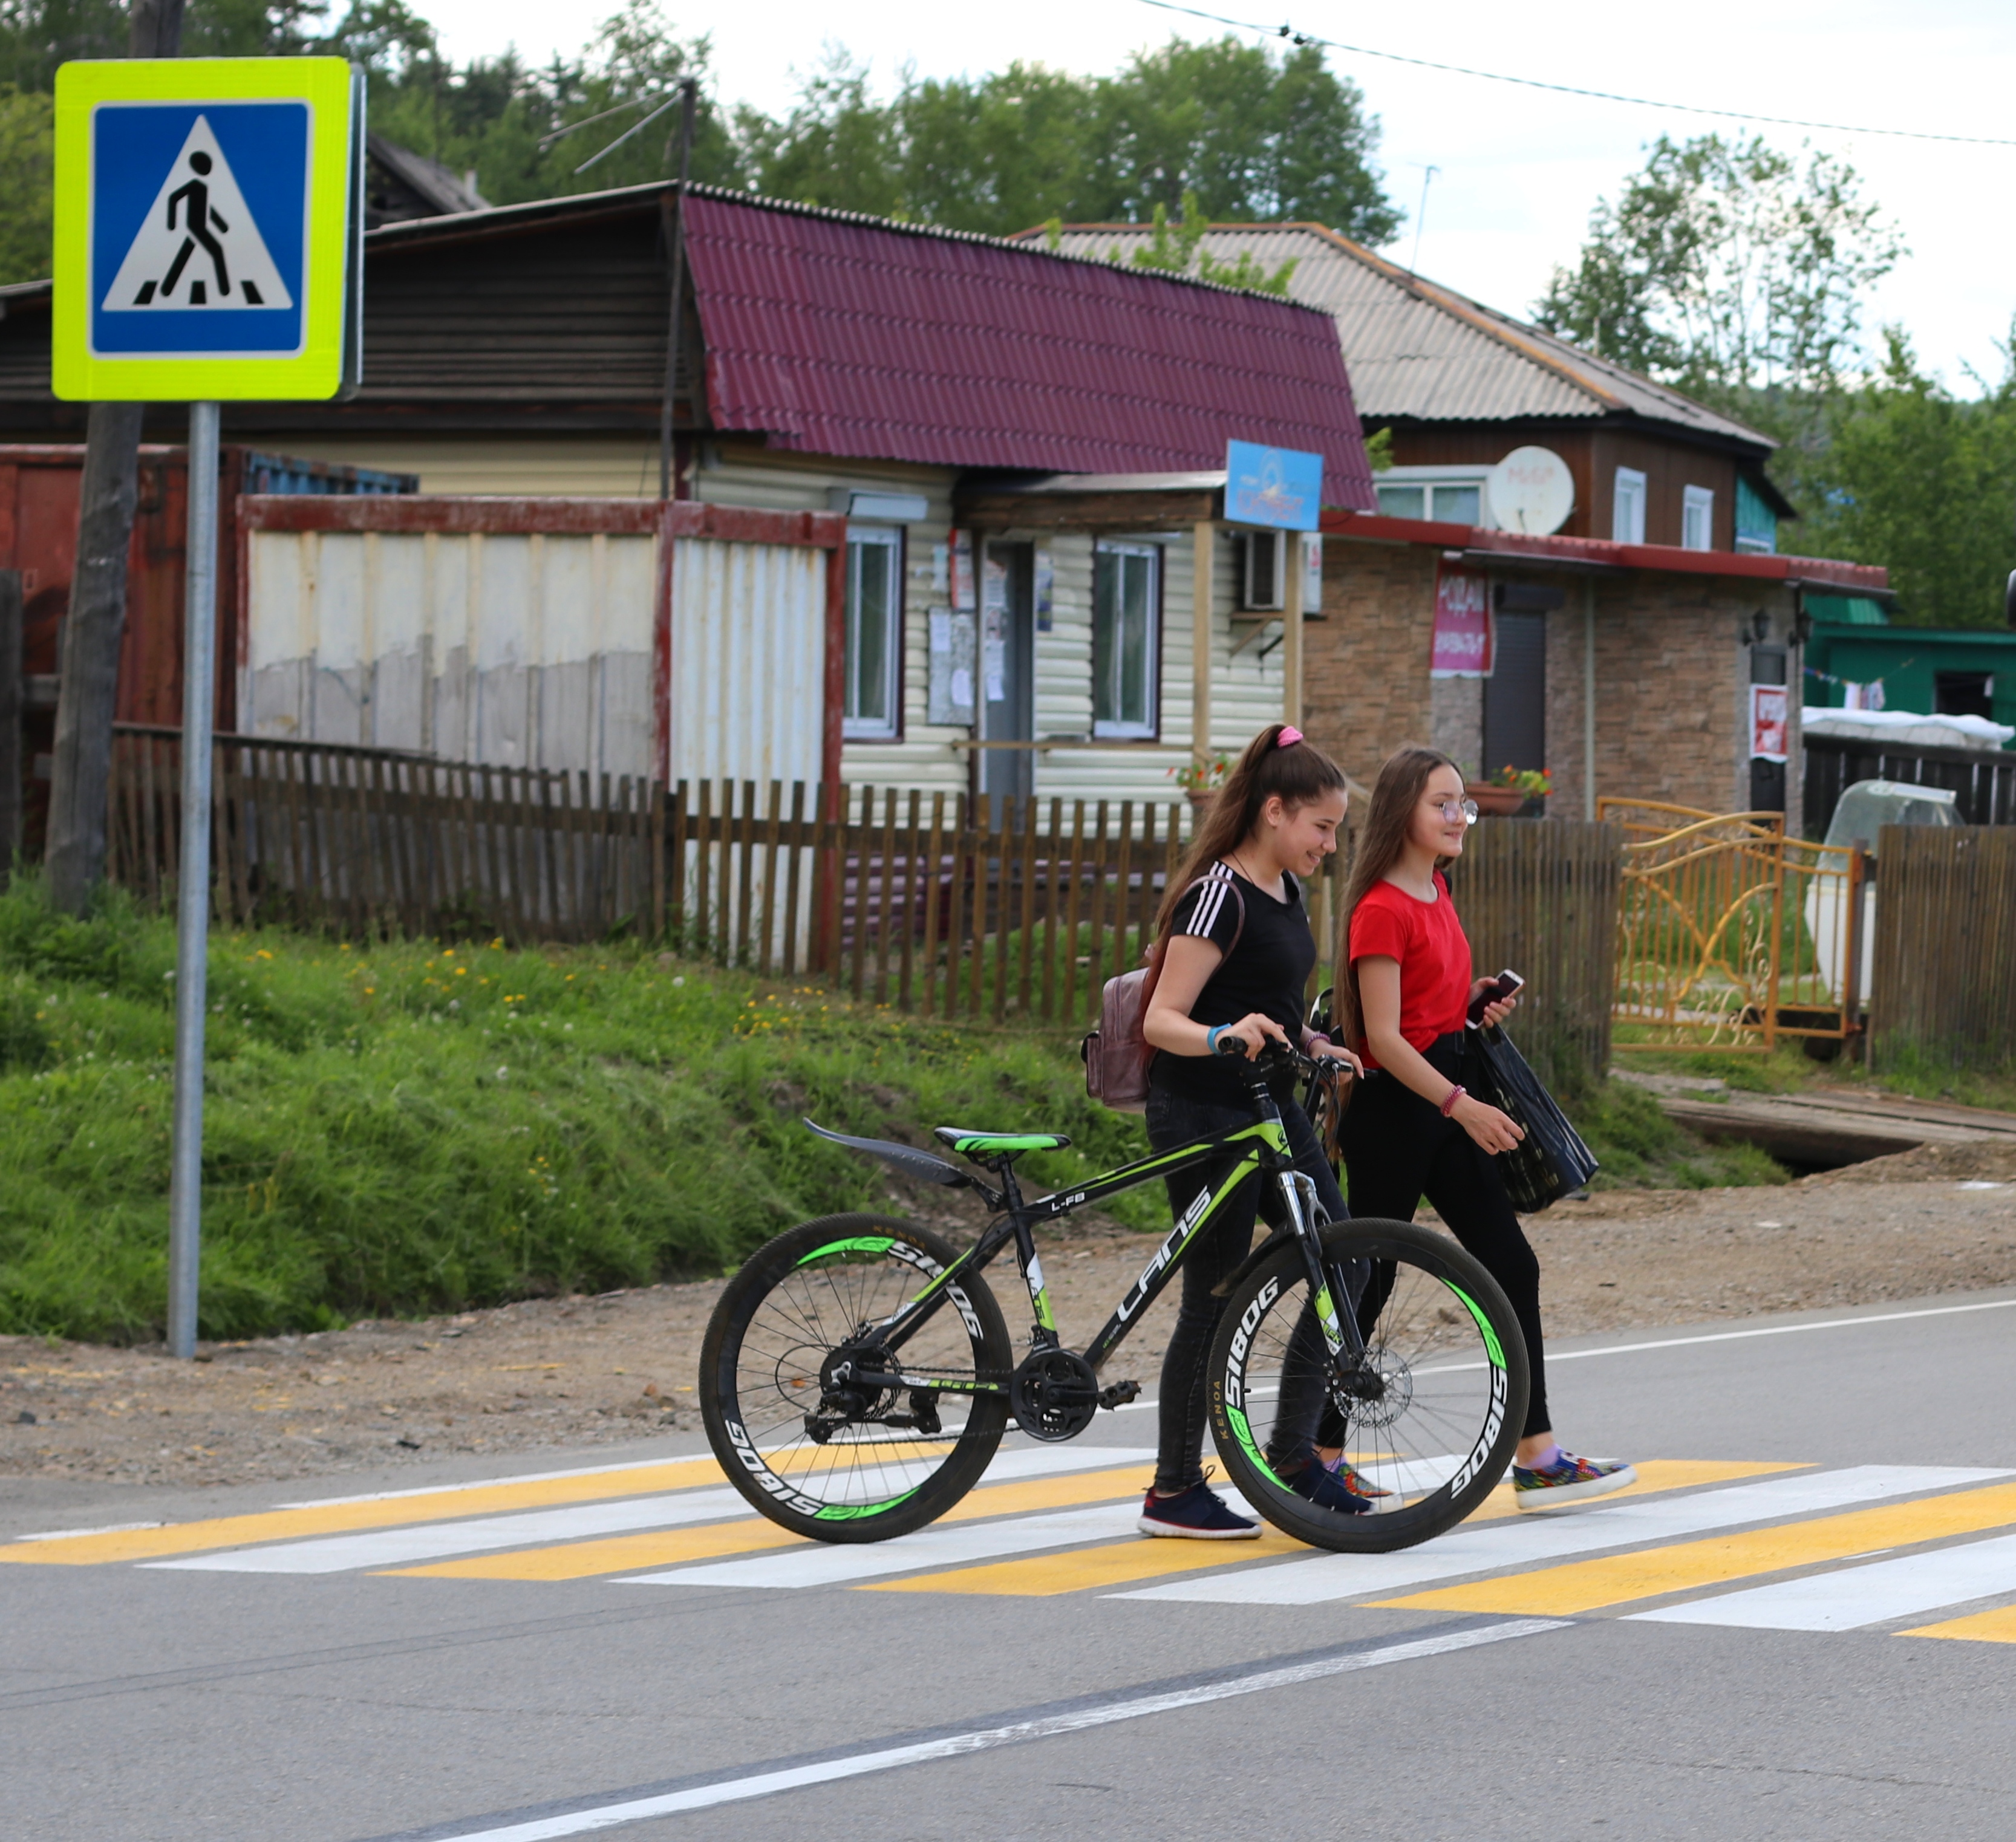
1420 350
834 334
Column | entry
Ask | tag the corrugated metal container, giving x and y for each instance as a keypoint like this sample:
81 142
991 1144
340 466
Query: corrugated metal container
748 661
40 486
544 633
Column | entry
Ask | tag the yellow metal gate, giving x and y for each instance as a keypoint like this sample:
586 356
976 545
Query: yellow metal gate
1731 935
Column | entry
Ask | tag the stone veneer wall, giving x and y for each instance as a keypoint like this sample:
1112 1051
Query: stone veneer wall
1671 677
1365 663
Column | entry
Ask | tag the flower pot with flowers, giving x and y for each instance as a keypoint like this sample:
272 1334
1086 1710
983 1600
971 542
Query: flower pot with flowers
1201 779
1511 790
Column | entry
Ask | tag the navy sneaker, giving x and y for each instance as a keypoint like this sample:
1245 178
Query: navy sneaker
1315 1483
1194 1515
1568 1479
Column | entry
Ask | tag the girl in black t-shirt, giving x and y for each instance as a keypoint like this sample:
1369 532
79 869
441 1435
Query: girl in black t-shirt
1234 953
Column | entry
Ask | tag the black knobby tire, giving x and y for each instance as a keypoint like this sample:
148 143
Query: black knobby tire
794 1301
1441 1336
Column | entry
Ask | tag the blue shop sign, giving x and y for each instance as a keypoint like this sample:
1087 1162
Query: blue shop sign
1272 486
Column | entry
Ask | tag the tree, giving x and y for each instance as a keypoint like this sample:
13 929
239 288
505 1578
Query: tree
1179 250
1903 473
1728 267
1250 137
27 170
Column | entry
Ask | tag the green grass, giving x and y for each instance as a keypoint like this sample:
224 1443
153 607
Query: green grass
1640 1149
413 1128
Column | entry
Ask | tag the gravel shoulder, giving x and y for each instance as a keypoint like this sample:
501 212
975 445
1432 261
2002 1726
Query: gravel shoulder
574 1373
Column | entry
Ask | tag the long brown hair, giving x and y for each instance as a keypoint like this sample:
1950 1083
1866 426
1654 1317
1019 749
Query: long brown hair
1382 839
1299 773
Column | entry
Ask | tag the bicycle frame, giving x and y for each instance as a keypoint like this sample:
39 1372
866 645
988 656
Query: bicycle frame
1259 1150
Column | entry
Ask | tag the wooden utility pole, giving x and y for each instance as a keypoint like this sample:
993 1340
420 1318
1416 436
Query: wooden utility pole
88 662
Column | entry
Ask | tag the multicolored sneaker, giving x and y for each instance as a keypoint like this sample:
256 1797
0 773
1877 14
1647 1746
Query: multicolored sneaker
1360 1485
1568 1479
1194 1515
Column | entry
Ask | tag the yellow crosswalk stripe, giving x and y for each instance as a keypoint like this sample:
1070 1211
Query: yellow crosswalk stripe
1123 1564
1588 1585
666 1548
1997 1626
325 1519
1078 1570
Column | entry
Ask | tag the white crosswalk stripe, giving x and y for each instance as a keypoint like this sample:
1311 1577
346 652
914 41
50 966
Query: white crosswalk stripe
1846 1598
933 1547
400 1546
1504 1546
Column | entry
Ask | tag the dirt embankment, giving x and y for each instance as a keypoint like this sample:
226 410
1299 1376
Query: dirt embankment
576 1373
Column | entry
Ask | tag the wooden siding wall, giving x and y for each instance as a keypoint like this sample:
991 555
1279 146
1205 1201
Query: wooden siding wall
1944 976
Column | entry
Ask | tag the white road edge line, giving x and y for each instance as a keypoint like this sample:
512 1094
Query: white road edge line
1674 1342
763 1784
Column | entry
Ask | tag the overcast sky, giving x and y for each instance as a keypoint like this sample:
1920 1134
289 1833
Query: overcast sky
1519 168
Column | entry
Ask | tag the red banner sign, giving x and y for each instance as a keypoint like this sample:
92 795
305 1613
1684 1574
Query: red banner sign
1463 646
1770 716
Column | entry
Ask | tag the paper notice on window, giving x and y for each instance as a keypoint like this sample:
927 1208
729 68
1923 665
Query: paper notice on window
953 645
997 688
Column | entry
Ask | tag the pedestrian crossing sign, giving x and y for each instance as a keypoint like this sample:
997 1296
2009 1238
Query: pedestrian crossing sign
208 213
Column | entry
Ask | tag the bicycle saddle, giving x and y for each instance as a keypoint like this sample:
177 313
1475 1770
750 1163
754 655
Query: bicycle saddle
969 1143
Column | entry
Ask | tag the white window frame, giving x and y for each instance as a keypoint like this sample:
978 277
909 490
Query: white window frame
1627 507
1697 518
1115 728
1433 477
854 727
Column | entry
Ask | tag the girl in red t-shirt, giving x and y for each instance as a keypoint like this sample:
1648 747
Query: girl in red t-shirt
1412 1130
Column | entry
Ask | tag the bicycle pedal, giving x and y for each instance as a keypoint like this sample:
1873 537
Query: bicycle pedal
1119 1394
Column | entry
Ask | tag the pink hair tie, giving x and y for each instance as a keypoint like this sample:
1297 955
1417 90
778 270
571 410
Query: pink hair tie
1289 736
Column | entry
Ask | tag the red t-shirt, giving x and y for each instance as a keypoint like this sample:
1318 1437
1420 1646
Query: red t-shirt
1434 953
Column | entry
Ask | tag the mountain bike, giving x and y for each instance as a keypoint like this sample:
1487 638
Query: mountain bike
858 1374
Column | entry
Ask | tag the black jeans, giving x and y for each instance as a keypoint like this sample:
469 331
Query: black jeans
1397 1148
1175 1121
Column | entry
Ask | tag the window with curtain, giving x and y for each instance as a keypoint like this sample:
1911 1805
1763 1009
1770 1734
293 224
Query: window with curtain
1126 642
1627 513
874 633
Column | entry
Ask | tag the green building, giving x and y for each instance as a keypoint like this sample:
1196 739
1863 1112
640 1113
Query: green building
1939 670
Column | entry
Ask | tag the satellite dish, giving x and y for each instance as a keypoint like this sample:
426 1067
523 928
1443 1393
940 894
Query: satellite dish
1530 490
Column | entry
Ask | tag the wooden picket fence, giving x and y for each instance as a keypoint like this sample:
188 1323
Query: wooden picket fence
933 903
1944 976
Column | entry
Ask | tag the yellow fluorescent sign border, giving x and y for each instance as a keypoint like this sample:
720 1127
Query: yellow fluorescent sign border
324 85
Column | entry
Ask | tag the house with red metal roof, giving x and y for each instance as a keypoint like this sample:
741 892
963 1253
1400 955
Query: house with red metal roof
793 360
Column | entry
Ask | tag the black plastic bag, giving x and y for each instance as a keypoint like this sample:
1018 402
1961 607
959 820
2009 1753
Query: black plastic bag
1551 1161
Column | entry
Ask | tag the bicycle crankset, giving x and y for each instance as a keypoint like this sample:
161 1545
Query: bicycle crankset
1053 1395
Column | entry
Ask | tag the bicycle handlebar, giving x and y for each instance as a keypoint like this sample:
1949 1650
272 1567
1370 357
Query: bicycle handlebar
1274 1056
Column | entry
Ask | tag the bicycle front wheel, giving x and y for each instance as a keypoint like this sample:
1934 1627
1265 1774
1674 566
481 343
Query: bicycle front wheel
1433 1417
817 1453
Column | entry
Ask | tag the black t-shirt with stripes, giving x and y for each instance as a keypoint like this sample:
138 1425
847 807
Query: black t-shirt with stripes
1266 971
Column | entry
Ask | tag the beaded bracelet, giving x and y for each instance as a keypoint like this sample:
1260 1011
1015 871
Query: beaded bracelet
1455 1094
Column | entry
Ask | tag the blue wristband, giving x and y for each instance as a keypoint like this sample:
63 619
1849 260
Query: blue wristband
1211 1038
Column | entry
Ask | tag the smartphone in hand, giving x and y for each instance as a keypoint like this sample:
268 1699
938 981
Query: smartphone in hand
1501 987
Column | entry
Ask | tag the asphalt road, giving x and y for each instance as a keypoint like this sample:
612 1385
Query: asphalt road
1731 1651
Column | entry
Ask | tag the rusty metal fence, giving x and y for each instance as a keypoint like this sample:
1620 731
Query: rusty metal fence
1731 935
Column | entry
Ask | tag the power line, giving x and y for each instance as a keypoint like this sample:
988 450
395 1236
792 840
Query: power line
1569 89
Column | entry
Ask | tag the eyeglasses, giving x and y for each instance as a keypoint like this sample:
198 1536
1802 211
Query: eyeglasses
1453 810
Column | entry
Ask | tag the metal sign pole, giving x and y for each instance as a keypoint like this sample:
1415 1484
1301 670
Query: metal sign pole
193 890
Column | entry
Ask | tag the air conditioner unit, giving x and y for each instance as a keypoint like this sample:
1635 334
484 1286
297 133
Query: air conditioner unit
1266 571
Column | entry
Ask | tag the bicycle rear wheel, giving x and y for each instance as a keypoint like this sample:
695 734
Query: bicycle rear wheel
837 1462
1439 1410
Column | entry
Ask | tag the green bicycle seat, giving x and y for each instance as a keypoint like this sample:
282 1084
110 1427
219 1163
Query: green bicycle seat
969 1143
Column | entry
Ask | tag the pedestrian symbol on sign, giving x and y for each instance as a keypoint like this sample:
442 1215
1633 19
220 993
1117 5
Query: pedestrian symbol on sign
198 246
